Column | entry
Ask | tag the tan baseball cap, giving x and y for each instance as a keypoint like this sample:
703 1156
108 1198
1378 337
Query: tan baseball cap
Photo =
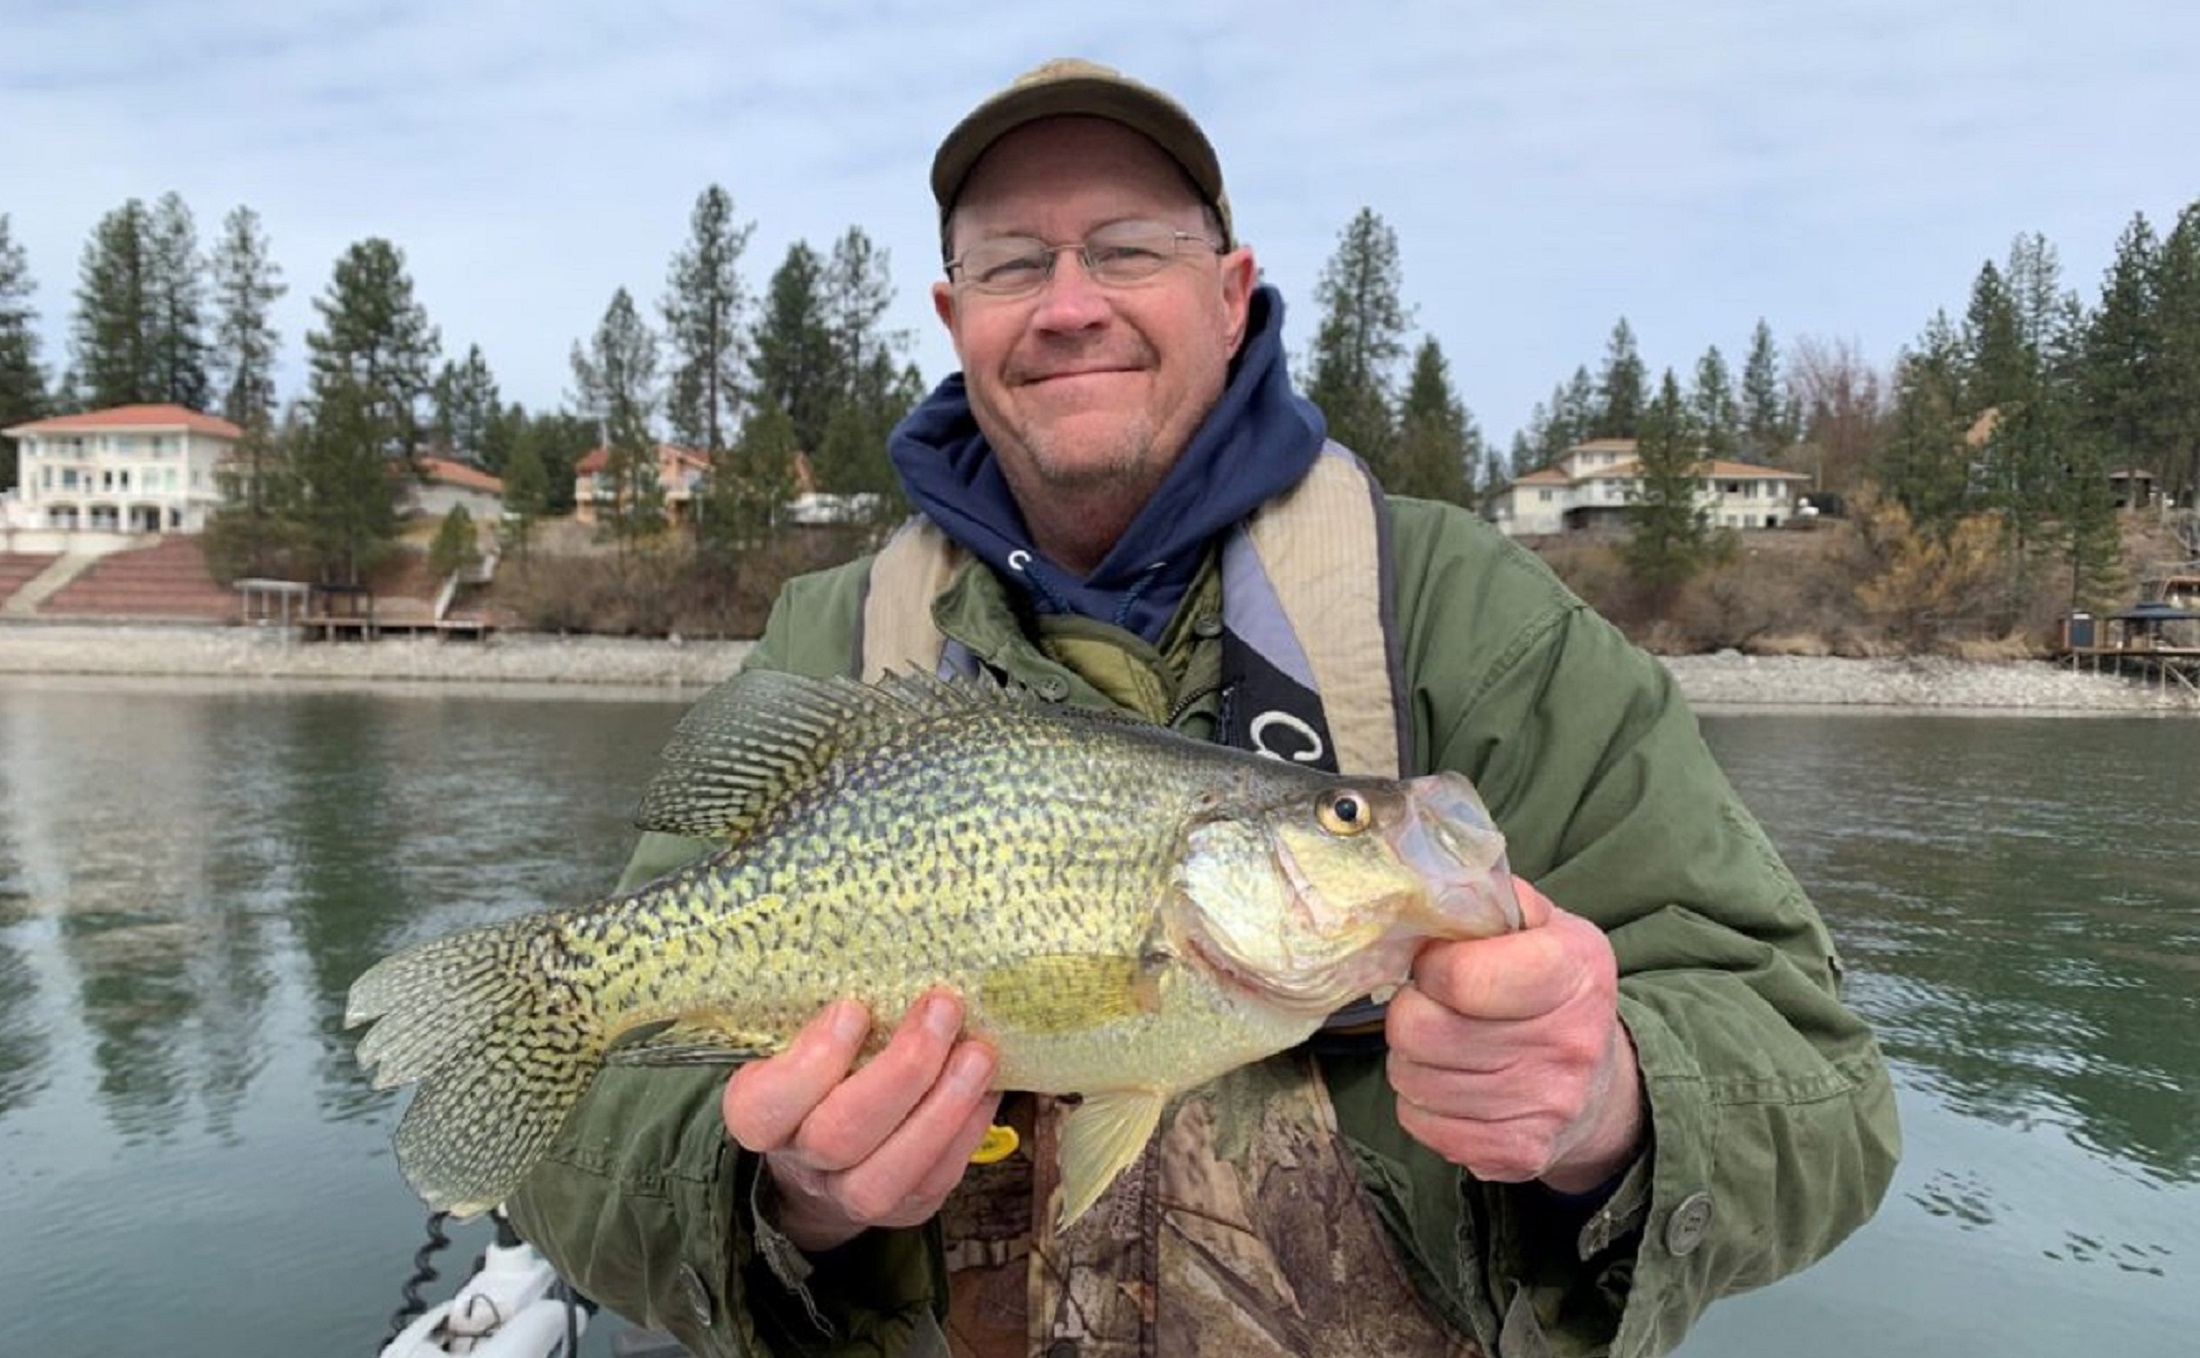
1070 86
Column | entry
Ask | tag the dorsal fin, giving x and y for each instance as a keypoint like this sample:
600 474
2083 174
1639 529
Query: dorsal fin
763 735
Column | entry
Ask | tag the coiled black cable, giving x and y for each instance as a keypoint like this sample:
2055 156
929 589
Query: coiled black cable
423 1273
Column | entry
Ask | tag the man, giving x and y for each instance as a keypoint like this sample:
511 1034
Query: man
1570 1139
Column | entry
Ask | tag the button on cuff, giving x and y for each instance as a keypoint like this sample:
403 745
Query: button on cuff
1690 1222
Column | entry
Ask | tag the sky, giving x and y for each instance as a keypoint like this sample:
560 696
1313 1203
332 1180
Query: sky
1840 169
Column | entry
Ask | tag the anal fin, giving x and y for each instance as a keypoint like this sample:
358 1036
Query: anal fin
1100 1139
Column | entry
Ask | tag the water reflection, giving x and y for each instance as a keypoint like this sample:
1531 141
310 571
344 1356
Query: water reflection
167 856
2020 905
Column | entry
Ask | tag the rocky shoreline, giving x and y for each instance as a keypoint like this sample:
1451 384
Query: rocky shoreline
679 669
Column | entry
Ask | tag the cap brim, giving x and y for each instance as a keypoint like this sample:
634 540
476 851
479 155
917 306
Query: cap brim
1142 111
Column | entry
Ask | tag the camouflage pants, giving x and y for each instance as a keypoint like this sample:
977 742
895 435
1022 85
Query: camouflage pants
1242 1231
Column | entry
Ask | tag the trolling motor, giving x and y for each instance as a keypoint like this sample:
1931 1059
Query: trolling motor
514 1306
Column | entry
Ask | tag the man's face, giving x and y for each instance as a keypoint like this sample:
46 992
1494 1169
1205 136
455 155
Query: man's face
1082 388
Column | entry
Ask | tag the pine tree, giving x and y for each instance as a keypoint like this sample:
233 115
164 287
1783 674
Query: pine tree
455 547
1713 410
1360 340
22 379
1997 362
616 380
259 529
347 507
370 363
1574 412
1435 455
854 458
112 336
704 309
526 496
2177 375
375 338
558 440
179 307
858 290
467 409
2121 351
1622 388
1769 416
748 483
795 365
2033 278
1927 465
2092 538
1670 536
247 284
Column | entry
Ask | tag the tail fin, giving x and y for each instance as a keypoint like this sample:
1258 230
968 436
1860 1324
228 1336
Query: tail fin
501 1048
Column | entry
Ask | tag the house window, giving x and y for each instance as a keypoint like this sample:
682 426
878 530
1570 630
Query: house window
68 478
1543 497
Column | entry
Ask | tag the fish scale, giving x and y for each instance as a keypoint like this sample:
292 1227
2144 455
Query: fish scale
1126 914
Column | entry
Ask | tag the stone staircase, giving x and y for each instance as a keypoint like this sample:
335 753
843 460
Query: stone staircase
18 569
167 580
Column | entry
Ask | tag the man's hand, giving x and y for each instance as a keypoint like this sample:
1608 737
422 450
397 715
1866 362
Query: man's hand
882 1146
1508 1056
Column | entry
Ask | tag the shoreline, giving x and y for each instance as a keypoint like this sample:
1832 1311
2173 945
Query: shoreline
535 664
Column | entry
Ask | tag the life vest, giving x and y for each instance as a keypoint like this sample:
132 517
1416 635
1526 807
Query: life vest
1243 1230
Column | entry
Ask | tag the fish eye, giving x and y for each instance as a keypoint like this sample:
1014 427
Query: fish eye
1343 812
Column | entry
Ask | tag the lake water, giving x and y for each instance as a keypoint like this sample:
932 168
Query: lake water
192 1165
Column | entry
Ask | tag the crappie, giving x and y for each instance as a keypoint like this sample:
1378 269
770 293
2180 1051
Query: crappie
1127 913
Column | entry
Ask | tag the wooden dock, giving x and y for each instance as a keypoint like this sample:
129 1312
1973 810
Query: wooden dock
2153 640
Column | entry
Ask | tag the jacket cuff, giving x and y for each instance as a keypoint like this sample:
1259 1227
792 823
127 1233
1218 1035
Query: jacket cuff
880 1291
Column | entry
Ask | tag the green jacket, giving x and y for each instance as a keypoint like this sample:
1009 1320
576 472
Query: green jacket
1773 1118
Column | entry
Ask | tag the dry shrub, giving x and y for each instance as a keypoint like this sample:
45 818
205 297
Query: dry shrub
1811 644
1922 588
664 590
2015 646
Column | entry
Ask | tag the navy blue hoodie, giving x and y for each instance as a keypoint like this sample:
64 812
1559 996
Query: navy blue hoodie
1256 443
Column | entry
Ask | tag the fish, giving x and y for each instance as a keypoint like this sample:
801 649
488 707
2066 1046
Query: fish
1125 911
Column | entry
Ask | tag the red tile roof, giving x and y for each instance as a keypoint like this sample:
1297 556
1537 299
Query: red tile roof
145 417
598 458
458 474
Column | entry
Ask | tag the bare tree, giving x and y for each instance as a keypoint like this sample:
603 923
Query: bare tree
1844 404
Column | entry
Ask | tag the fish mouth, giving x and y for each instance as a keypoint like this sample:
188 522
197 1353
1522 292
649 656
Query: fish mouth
1448 838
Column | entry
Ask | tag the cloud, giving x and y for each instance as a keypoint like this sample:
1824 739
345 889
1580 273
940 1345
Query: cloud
1840 170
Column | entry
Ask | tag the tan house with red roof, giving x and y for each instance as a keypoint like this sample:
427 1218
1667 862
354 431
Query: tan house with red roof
127 469
1593 483
681 472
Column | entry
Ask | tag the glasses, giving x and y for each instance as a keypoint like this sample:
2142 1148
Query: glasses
1116 254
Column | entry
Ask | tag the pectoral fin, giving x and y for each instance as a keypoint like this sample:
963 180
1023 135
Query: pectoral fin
1100 1138
691 1042
1068 992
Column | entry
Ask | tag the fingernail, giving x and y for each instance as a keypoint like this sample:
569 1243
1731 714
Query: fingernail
942 1018
849 1022
969 1069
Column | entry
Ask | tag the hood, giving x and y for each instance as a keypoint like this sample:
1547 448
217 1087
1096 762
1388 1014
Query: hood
1256 443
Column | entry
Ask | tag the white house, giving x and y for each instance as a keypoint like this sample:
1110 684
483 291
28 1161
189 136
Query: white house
127 469
1593 483
444 485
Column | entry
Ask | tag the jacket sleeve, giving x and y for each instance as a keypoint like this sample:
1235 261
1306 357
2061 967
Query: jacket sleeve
1773 1129
645 1205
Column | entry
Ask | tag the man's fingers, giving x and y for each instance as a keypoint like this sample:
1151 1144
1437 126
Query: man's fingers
766 1101
852 1121
924 1156
1511 976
